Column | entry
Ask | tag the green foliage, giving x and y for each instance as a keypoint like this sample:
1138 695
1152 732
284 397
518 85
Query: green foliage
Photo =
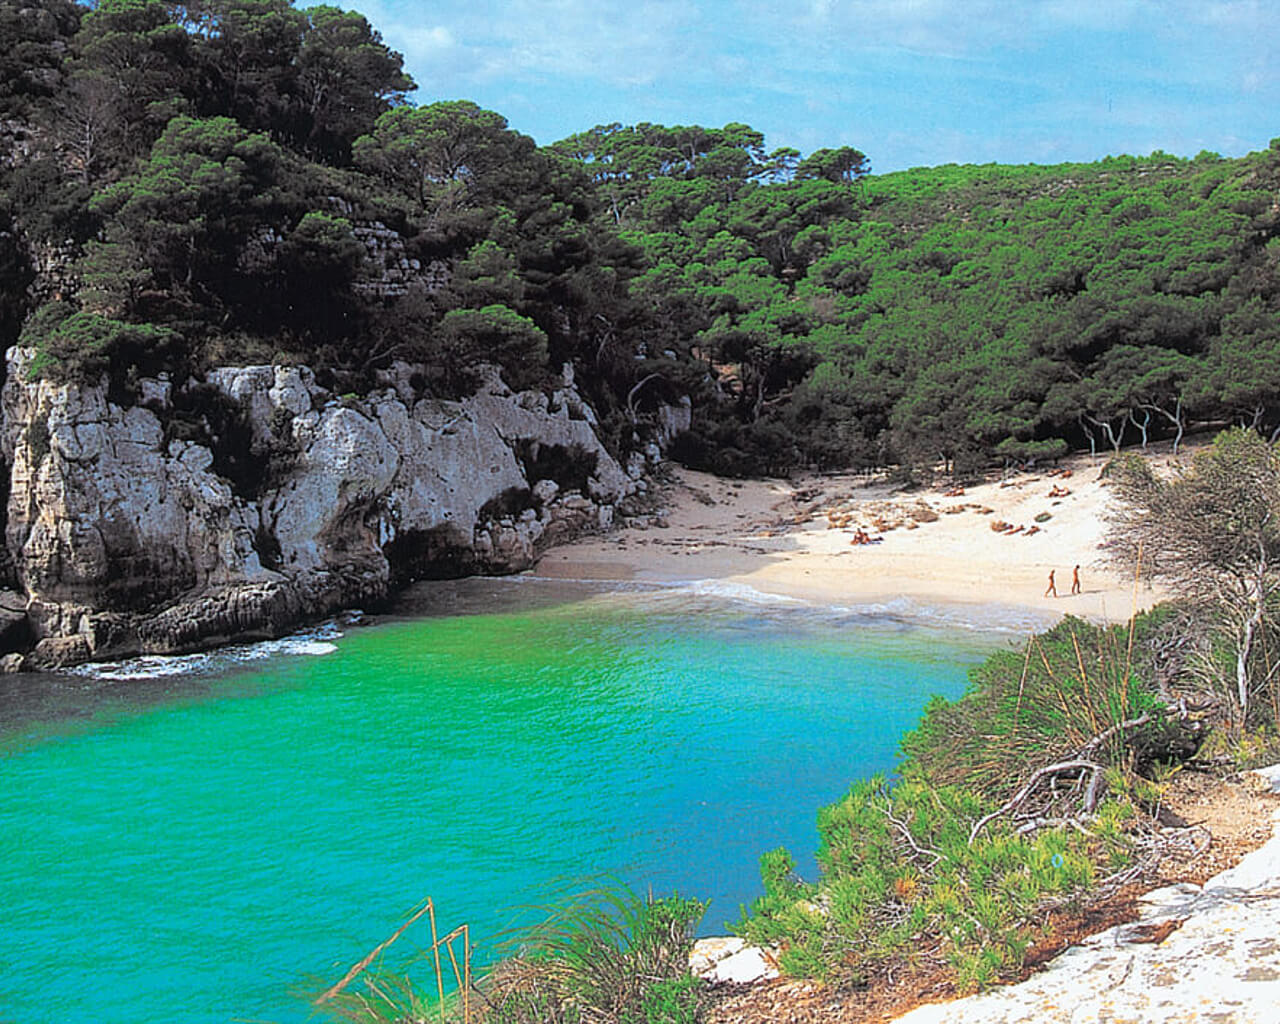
229 170
672 1001
33 38
958 315
1034 706
498 335
440 155
608 955
844 164
347 77
1211 532
900 879
86 346
937 866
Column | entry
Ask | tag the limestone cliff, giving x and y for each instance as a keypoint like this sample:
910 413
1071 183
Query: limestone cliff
255 499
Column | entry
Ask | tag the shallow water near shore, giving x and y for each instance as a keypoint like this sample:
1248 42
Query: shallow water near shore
198 839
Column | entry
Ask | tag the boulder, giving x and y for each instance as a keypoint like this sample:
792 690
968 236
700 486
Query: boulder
728 960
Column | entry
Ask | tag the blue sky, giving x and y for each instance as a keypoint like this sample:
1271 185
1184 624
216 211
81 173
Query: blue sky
909 82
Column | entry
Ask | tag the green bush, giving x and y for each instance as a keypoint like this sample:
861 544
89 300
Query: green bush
901 879
928 868
83 346
495 334
607 955
1023 708
673 1001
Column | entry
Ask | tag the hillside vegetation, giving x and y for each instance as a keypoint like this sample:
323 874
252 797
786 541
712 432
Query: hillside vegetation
242 180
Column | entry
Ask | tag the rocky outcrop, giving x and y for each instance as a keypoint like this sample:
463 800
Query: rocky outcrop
129 533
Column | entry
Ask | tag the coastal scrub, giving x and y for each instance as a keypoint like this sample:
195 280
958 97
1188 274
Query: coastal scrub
1024 794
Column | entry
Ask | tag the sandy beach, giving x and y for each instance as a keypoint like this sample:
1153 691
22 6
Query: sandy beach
989 545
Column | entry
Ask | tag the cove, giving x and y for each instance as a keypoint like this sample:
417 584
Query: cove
199 840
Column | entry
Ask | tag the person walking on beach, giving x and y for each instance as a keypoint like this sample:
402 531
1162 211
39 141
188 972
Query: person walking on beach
1053 587
1075 580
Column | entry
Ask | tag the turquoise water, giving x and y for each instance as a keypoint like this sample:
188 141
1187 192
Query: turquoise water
198 846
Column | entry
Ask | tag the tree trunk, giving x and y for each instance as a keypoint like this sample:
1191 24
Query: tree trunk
1247 640
1093 441
1242 662
1143 425
631 395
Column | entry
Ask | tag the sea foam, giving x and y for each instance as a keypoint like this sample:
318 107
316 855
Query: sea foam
316 641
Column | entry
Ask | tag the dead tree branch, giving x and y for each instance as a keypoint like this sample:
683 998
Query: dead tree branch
1050 771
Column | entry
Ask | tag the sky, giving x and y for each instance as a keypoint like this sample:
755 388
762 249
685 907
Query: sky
909 82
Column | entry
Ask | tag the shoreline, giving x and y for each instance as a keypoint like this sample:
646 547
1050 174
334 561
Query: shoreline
937 561
933 548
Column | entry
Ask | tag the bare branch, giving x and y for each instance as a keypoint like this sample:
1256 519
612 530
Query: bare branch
1118 729
1049 771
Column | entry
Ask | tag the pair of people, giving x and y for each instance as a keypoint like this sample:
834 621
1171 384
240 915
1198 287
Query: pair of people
1075 582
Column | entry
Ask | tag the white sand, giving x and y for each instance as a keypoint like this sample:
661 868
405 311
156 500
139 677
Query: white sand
793 538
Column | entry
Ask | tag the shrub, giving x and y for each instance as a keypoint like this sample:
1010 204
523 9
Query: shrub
935 867
495 334
608 956
1024 708
83 346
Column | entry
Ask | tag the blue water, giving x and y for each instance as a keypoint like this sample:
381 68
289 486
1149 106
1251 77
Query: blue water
200 840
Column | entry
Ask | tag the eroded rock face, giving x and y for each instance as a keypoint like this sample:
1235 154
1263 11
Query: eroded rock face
125 537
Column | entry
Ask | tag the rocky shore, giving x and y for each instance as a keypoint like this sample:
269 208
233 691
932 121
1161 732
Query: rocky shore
241 505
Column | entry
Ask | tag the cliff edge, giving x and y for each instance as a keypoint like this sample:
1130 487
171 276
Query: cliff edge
242 504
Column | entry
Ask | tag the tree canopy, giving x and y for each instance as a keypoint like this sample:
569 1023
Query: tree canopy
1213 533
249 178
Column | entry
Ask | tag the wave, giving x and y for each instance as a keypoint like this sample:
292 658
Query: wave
899 612
904 612
314 642
741 593
984 618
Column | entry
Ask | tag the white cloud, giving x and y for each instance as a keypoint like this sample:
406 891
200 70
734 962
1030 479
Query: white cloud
853 70
609 40
425 39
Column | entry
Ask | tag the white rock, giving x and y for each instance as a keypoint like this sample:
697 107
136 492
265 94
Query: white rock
545 491
706 953
1270 776
292 388
155 390
105 517
744 967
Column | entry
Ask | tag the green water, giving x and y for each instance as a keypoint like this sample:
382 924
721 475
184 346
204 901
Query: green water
195 847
